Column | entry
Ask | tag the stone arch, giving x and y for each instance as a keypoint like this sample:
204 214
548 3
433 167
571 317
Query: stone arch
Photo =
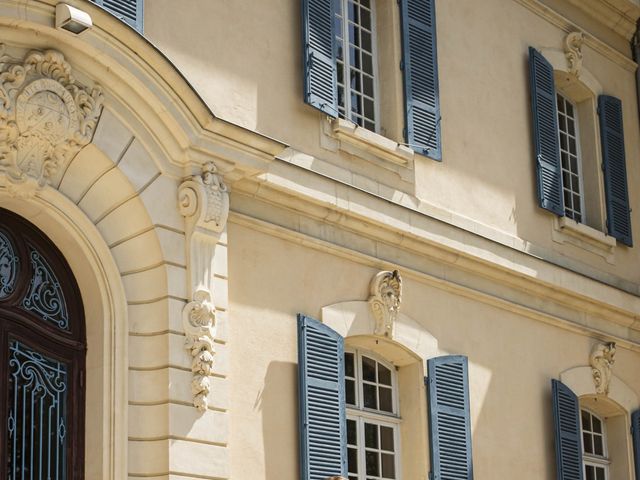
106 318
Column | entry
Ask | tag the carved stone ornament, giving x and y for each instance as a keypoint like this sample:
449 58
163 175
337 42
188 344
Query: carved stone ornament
46 117
573 51
601 361
385 297
204 202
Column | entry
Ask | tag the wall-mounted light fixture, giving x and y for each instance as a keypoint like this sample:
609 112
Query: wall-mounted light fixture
72 19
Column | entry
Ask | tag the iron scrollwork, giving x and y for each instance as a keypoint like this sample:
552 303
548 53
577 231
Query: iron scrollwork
8 266
37 415
45 297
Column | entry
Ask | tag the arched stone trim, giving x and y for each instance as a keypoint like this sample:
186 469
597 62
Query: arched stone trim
410 341
558 59
580 381
106 318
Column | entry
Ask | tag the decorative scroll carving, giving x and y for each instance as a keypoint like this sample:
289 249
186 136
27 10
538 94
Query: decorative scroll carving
384 300
573 51
46 117
601 361
204 202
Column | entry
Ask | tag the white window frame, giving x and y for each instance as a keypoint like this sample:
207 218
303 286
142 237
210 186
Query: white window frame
347 65
567 99
591 459
362 415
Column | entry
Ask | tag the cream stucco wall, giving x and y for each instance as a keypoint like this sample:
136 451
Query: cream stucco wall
486 181
512 358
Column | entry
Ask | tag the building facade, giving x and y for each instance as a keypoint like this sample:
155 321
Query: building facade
281 239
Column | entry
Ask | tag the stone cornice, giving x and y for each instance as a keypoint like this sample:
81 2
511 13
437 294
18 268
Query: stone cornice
566 25
382 221
619 15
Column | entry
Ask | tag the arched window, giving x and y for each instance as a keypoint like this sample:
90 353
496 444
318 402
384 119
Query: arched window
42 355
372 417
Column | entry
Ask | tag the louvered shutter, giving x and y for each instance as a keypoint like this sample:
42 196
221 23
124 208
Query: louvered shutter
323 445
420 64
319 55
545 133
130 11
635 431
449 419
615 169
566 415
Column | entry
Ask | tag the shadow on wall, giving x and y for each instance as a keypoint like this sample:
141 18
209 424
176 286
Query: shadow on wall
278 404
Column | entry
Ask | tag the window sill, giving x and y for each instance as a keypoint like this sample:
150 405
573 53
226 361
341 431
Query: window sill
371 146
580 235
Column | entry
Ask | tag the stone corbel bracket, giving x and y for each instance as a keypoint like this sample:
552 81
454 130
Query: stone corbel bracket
204 202
601 360
573 52
46 117
385 292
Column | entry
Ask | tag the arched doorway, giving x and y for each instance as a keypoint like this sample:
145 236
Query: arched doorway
42 357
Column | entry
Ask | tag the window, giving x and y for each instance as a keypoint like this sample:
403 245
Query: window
355 60
340 67
570 159
575 179
372 421
42 347
594 445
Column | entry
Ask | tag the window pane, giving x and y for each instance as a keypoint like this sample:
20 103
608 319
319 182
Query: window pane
599 473
368 369
370 400
352 432
386 438
560 104
586 442
590 473
597 445
386 404
365 19
597 424
352 460
384 375
562 123
370 435
388 466
569 110
350 387
349 368
373 467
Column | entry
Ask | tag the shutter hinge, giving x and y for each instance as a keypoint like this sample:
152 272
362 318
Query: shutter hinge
426 380
405 134
402 65
602 166
431 475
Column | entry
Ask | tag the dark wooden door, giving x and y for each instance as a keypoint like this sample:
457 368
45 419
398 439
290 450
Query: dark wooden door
42 358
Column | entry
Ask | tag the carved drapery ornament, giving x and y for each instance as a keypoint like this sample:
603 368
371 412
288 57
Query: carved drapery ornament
385 296
573 52
204 202
601 360
46 117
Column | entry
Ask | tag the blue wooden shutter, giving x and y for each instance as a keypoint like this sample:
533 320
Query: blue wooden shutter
449 419
129 11
615 169
319 55
566 415
420 64
545 133
323 443
635 431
